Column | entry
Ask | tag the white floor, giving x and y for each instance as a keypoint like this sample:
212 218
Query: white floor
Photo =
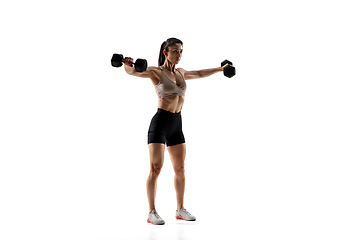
257 199
241 218
247 197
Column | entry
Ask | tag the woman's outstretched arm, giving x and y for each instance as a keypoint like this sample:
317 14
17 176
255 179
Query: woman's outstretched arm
202 73
129 69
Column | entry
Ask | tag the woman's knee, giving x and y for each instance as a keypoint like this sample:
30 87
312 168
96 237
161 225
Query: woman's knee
155 169
180 171
156 151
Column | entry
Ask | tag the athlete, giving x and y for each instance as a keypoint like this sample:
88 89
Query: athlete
166 125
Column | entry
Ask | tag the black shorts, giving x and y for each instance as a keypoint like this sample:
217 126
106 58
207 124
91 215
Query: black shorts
166 127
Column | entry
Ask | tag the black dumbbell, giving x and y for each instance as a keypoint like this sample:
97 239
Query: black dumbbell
229 70
118 59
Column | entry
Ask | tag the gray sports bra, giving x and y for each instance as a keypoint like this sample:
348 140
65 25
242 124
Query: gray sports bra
167 88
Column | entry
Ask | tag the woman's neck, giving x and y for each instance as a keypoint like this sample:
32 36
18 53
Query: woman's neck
169 66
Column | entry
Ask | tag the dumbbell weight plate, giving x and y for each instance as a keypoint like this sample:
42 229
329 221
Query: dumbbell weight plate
117 60
225 62
229 71
140 65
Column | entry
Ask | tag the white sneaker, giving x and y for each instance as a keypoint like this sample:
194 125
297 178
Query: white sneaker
184 215
155 219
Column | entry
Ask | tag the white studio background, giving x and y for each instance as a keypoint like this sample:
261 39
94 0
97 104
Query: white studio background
273 150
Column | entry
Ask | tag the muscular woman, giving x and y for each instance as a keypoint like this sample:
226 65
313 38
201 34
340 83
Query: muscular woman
166 125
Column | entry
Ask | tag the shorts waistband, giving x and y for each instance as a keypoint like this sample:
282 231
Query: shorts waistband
167 112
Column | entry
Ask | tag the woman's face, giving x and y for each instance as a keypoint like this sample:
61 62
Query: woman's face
174 54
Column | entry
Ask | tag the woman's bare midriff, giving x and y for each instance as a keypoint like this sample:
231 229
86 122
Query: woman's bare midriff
172 104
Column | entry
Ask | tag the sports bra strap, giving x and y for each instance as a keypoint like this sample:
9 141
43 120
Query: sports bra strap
181 74
175 69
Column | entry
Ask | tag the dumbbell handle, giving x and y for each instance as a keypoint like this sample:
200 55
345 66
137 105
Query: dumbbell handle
226 62
132 63
119 56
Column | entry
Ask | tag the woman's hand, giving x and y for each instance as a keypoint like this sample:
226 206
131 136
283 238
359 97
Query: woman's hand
128 61
222 68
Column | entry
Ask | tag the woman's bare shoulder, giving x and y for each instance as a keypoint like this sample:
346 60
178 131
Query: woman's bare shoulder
151 68
181 70
157 74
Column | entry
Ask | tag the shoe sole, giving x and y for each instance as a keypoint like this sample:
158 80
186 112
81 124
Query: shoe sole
182 218
149 221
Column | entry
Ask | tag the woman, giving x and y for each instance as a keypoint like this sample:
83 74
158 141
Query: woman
166 125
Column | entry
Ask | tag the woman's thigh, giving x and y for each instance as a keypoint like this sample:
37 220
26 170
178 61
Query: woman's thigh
177 155
156 153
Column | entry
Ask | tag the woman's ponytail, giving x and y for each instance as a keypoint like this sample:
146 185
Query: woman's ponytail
165 46
161 55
